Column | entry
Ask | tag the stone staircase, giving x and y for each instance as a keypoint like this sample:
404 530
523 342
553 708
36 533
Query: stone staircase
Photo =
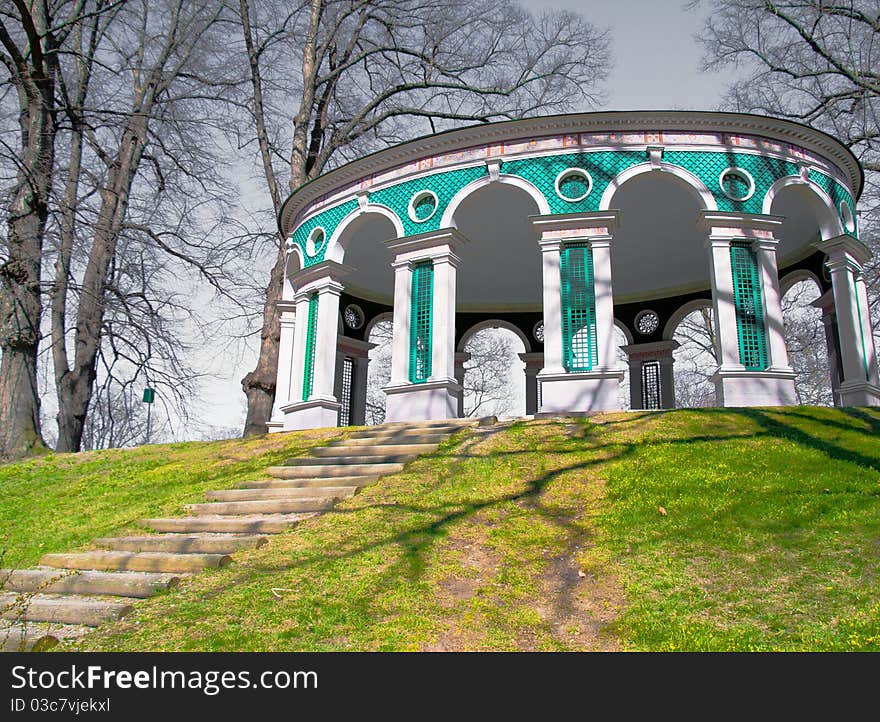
68 594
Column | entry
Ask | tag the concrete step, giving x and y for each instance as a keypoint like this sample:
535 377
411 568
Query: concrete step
313 483
26 638
243 524
137 561
434 423
184 543
401 433
325 471
333 492
121 584
352 460
384 450
388 438
262 506
87 611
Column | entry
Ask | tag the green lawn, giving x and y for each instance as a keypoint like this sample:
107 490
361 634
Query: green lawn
59 502
544 535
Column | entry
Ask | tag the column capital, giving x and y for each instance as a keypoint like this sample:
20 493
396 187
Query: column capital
285 306
825 303
845 246
325 273
575 226
739 226
654 350
431 245
353 347
461 358
534 361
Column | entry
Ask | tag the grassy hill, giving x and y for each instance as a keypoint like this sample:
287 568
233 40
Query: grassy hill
694 529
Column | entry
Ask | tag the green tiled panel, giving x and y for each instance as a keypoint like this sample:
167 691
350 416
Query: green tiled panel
601 165
445 185
328 220
838 194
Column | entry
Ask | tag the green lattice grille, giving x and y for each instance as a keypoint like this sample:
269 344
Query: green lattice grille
579 343
749 308
311 335
422 301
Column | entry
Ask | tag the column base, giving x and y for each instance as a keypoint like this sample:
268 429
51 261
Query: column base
311 414
859 393
422 402
579 392
742 387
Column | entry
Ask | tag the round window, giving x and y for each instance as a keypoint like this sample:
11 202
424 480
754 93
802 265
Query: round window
353 316
647 322
538 332
315 241
573 184
423 206
737 184
849 221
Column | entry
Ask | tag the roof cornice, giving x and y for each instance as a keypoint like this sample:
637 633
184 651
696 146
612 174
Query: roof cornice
608 121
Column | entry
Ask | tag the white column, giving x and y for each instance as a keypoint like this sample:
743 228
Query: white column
321 408
765 251
846 255
721 277
552 292
736 385
533 363
563 391
325 341
297 367
284 374
443 317
461 358
401 322
660 351
607 352
867 334
829 323
438 396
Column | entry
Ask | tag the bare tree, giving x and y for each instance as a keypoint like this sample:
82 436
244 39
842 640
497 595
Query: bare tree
356 75
805 339
814 62
31 34
695 360
141 189
379 373
488 380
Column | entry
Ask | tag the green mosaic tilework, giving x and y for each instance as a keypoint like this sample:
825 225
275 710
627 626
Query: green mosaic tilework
709 166
420 335
445 185
328 220
601 165
837 193
311 335
579 343
749 307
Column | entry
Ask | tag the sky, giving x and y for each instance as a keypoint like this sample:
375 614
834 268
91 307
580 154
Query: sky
656 66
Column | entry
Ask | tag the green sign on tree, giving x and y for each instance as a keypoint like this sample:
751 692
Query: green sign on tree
149 395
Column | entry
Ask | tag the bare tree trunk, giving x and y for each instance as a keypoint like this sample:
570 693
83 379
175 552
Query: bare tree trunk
20 302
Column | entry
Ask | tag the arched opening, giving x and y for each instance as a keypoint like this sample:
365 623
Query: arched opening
360 245
494 377
379 371
807 219
501 266
695 359
657 249
805 340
